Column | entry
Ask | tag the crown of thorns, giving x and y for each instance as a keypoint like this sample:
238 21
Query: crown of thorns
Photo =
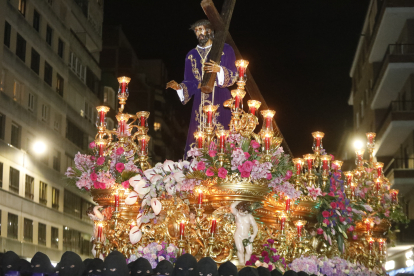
202 22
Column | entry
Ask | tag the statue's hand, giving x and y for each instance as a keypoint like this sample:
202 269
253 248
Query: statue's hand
174 85
211 66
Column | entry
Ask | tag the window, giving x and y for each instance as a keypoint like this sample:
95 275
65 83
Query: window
35 62
109 96
59 85
21 47
43 193
36 20
48 73
55 198
72 204
2 125
1 176
28 230
15 135
49 34
14 180
56 160
88 112
29 187
30 103
75 135
71 239
54 242
17 91
22 7
45 113
41 234
7 34
12 226
61 48
57 122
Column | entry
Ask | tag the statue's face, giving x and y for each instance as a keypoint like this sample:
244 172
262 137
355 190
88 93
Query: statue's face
202 34
243 213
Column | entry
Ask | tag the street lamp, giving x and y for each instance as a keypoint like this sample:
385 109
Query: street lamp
39 147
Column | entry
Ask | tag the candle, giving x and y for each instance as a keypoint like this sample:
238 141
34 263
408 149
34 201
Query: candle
213 226
299 226
200 142
143 121
236 102
102 117
123 81
317 136
116 201
371 244
298 168
352 189
309 164
200 197
182 224
268 121
121 127
267 142
380 245
282 223
287 204
325 165
378 184
253 110
123 87
143 146
101 148
209 117
241 65
318 141
222 142
394 196
99 231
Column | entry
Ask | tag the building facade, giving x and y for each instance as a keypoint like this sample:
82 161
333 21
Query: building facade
383 102
49 88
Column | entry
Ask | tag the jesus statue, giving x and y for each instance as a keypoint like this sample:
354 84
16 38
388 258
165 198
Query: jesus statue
197 62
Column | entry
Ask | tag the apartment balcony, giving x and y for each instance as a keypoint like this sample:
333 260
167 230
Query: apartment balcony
400 173
397 66
394 129
390 20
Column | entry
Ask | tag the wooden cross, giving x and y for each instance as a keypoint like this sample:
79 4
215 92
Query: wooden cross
221 25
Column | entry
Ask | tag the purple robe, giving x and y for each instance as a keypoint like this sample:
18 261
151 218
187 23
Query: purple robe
192 83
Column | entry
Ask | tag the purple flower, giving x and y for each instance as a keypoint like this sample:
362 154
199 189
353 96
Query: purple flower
270 241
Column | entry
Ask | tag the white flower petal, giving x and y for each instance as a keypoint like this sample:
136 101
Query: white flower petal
149 173
179 176
135 235
132 198
156 206
139 218
168 165
155 178
133 180
142 191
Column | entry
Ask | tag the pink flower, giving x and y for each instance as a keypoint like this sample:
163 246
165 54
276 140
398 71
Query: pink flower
342 219
341 205
387 213
222 172
248 263
333 205
319 231
325 214
245 174
288 175
247 155
314 192
231 145
332 157
212 153
254 144
201 166
247 166
326 221
99 185
331 194
269 176
100 161
355 237
119 151
351 228
349 209
120 167
94 176
209 172
125 184
256 150
92 145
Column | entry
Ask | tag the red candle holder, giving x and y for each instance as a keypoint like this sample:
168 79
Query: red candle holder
200 198
199 137
309 160
213 226
298 162
282 222
253 106
266 137
378 183
338 164
222 136
142 118
287 204
123 86
100 231
209 111
238 95
359 156
348 175
325 162
102 110
143 141
101 143
122 124
370 139
116 195
299 226
394 196
182 228
267 119
241 65
317 140
379 166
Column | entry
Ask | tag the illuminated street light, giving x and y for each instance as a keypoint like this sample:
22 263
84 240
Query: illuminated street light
39 147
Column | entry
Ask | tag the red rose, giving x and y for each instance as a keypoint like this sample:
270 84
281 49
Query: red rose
209 172
245 174
247 166
254 144
319 231
120 167
201 166
100 161
222 172
94 176
342 219
325 214
333 205
119 151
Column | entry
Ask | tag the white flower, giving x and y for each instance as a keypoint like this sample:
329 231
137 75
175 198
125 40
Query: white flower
159 247
168 166
161 258
135 235
131 198
146 250
149 173
154 256
156 206
183 164
179 176
258 263
155 178
170 249
265 265
140 248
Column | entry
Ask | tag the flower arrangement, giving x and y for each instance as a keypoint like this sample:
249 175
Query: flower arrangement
268 258
245 158
331 267
155 253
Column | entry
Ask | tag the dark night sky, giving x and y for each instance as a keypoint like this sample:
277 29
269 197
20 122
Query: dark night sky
300 54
